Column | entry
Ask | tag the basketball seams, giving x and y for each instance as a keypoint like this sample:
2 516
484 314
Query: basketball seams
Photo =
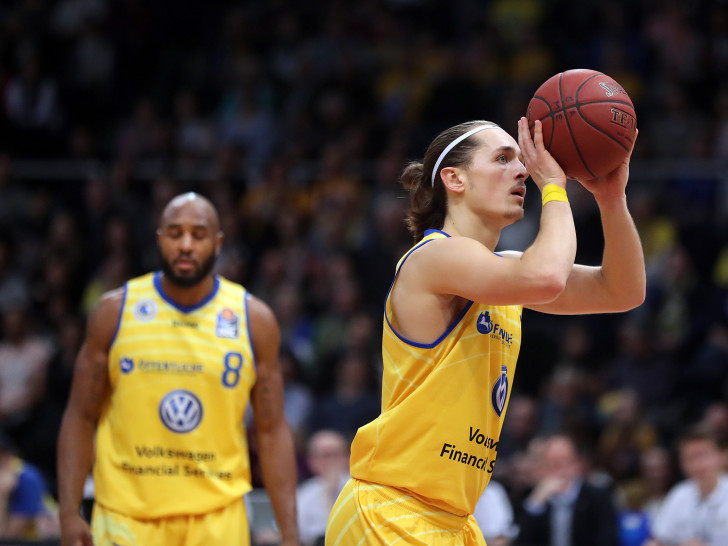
599 129
568 125
550 115
578 105
591 114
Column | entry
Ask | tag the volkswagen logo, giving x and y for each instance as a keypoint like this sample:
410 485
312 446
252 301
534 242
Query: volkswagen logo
180 411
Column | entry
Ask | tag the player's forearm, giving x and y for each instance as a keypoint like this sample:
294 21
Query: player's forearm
553 251
278 465
75 455
623 263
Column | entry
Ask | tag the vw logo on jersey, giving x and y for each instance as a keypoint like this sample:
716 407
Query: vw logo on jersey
126 364
484 324
145 310
499 394
180 411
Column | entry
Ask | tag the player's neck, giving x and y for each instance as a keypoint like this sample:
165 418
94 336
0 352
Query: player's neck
187 296
471 227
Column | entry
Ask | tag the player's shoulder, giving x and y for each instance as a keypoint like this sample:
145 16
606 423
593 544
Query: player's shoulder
259 311
110 302
104 317
444 251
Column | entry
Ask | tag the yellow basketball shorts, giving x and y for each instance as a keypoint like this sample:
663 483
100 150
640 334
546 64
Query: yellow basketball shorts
227 526
367 514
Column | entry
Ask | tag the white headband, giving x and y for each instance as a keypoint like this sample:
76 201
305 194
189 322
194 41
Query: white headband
454 143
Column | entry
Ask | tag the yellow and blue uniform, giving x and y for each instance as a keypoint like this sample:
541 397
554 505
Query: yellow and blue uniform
412 476
171 439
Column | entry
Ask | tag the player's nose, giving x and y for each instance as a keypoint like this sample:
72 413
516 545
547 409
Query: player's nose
186 242
521 171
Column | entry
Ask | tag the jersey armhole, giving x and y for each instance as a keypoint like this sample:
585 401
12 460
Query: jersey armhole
450 327
250 332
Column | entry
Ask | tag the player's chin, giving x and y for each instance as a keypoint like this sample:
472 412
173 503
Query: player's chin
186 277
515 213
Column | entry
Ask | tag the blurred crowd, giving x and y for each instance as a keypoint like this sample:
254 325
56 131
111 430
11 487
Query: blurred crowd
295 120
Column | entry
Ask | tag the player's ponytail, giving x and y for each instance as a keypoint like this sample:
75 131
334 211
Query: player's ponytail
428 198
428 205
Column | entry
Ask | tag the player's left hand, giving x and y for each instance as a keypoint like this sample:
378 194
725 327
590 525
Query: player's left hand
613 184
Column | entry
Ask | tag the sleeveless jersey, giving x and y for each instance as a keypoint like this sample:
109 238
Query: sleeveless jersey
443 405
171 438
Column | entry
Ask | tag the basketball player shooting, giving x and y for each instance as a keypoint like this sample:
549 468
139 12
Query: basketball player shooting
452 328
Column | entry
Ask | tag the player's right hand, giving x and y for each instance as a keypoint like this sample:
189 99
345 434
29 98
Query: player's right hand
539 163
75 532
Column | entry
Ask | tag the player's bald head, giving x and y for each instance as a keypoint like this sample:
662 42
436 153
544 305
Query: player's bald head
195 204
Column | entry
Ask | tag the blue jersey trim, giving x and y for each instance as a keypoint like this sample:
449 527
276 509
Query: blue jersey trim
121 313
449 328
439 339
250 332
431 231
185 308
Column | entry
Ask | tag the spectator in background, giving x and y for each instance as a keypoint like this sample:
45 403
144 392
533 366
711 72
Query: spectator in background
494 515
639 366
27 510
644 494
715 418
518 430
351 403
564 407
32 105
695 511
24 359
13 287
297 396
328 461
626 435
564 508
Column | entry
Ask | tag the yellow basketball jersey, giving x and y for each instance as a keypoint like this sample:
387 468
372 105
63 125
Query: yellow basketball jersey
443 405
171 438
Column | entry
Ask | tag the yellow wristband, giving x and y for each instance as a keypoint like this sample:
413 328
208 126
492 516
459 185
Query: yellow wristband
553 192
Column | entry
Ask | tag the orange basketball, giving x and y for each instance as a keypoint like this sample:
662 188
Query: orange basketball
589 122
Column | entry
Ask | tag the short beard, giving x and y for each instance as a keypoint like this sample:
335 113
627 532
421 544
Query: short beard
187 281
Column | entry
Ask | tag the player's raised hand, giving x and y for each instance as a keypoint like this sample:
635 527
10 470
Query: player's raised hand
614 183
540 164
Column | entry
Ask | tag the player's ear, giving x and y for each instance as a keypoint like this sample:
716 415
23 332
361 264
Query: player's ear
453 179
159 236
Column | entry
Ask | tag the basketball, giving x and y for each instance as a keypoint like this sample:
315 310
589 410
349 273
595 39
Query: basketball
589 122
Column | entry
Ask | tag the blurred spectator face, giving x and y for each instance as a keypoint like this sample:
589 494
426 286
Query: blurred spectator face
716 419
628 408
62 230
97 194
526 466
353 373
328 453
564 387
287 303
521 420
560 459
655 465
701 459
360 332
